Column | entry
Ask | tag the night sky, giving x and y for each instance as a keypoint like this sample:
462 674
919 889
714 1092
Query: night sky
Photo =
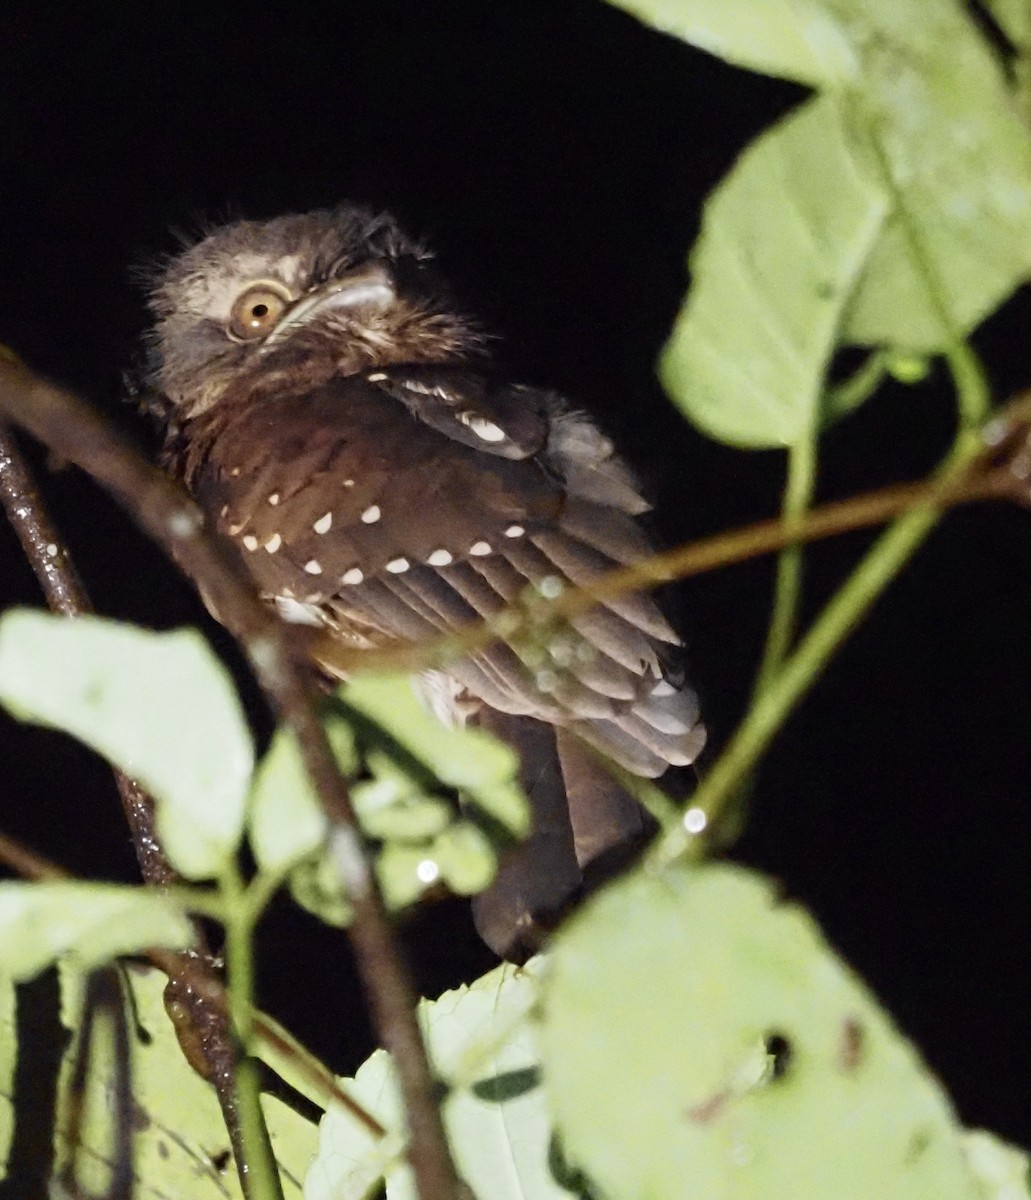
556 155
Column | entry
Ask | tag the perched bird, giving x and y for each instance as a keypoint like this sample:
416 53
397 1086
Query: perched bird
336 418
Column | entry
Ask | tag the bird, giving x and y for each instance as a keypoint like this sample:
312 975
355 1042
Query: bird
338 417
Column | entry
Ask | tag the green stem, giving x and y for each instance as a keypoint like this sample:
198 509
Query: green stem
260 891
797 500
878 568
200 901
260 1168
798 496
848 395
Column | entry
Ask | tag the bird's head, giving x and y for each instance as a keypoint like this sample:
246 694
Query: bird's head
297 300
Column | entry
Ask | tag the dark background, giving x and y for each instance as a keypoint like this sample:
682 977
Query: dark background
556 154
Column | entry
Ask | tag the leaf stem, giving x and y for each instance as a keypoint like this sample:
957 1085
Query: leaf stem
879 567
798 496
259 1166
848 395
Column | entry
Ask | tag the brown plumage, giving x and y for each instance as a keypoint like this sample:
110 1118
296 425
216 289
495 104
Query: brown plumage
336 419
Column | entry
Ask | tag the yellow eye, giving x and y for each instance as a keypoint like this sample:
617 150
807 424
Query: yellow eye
256 311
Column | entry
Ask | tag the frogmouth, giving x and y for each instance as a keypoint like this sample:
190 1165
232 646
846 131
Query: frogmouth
339 419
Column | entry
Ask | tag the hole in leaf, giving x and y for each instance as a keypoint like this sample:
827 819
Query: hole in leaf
507 1085
779 1050
221 1160
564 1173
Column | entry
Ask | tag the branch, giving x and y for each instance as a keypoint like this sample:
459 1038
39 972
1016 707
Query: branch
163 509
198 1023
49 558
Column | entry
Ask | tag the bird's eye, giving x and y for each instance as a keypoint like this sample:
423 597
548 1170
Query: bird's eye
256 311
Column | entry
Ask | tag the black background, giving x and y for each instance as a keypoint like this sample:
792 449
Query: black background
556 155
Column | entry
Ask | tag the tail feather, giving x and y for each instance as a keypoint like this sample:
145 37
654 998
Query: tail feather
584 826
538 879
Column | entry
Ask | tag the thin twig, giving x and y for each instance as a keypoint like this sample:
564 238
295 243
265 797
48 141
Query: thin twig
67 425
695 558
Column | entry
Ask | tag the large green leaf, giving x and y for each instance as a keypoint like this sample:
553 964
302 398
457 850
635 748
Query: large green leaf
945 137
158 705
796 39
783 243
483 1045
180 1144
93 922
1002 1172
8 1064
749 1060
1014 18
916 130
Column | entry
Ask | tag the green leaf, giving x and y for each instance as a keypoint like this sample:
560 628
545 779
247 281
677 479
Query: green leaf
784 240
180 1142
483 1045
423 841
469 760
404 873
285 821
390 814
932 119
158 705
795 39
316 885
8 1063
1002 1172
955 158
94 922
1014 18
750 1060
465 857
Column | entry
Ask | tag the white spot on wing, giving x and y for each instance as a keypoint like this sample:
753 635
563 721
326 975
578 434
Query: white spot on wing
514 531
297 613
323 523
235 529
313 566
353 576
397 565
486 430
479 549
251 542
273 544
52 549
440 558
371 514
377 377
348 483
274 499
